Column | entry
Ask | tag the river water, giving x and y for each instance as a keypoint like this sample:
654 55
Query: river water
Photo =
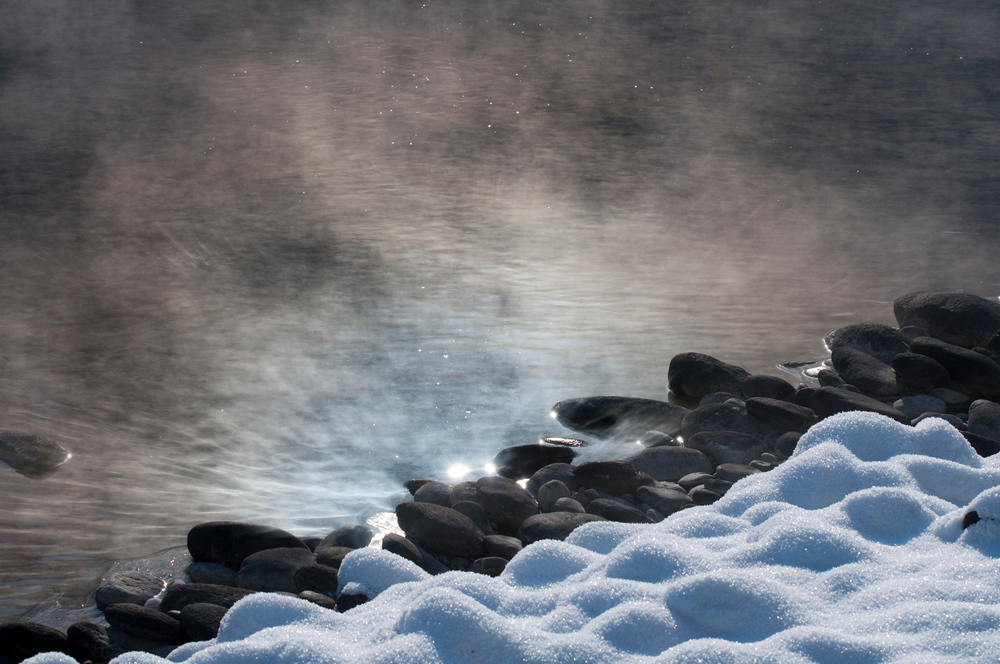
265 261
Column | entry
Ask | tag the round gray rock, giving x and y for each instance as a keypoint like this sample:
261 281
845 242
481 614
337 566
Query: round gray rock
440 529
553 525
670 463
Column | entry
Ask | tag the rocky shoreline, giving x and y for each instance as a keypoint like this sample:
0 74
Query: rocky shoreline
721 425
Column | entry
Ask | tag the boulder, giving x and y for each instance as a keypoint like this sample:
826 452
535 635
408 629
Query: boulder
618 418
875 339
724 447
506 503
440 529
525 460
554 526
228 543
693 375
873 377
961 319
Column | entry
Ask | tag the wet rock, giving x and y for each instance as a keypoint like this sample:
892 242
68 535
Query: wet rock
879 341
438 493
273 570
88 641
462 491
502 546
180 595
770 387
553 525
506 503
718 397
723 417
657 439
403 547
127 588
440 529
665 501
554 471
550 492
620 418
973 373
984 419
919 371
476 512
612 510
354 536
782 415
962 319
918 404
724 447
568 505
829 401
332 555
21 640
200 622
489 565
316 578
525 460
565 442
31 455
693 375
228 543
670 463
873 377
611 477
734 472
143 623
212 573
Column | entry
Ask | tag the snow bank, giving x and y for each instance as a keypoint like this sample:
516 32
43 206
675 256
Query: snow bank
851 551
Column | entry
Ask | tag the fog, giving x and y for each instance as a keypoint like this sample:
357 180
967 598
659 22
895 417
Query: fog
266 260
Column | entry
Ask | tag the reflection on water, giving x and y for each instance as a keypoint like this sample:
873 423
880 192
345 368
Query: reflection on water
266 263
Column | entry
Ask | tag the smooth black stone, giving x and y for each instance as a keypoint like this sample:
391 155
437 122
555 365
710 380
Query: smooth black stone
725 447
553 525
180 595
273 570
21 640
984 418
723 417
971 517
734 472
873 377
525 460
689 482
347 602
830 378
502 546
983 446
770 387
31 455
505 502
438 493
228 543
565 442
489 565
414 485
143 623
402 547
440 529
568 505
462 491
920 372
875 339
962 319
657 439
316 578
355 536
786 444
332 555
88 641
311 541
476 512
319 599
829 401
782 414
200 622
212 573
612 510
620 418
995 357
611 477
703 496
804 397
132 587
973 373
554 471
664 500
693 375
550 493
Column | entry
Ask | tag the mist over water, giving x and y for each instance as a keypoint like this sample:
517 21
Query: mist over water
264 261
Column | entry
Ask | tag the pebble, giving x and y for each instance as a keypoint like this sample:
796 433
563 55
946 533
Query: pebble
550 492
665 501
489 565
554 471
568 505
947 417
702 496
689 482
734 472
950 397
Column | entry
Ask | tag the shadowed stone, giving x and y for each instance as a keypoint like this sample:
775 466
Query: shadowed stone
355 536
88 641
402 547
506 503
770 387
316 578
550 492
873 377
875 339
525 460
669 464
612 510
974 373
319 599
502 546
919 371
33 456
476 512
228 543
983 446
962 319
620 418
273 570
734 472
665 501
127 588
212 573
725 447
143 623
438 493
782 415
723 417
440 529
984 419
201 621
693 375
568 505
489 565
180 595
829 401
21 640
554 471
462 491
332 555
553 525
611 477
919 404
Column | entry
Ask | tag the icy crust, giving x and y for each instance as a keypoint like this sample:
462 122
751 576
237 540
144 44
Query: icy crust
851 551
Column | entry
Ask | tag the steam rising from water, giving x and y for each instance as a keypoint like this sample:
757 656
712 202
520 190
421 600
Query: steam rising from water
266 263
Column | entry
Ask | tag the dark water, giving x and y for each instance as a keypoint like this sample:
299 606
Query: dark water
265 260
